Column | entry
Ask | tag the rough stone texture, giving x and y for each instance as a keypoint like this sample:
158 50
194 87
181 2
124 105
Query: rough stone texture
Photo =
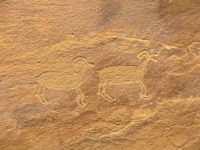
73 75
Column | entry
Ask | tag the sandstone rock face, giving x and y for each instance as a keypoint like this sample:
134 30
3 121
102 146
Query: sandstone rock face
100 75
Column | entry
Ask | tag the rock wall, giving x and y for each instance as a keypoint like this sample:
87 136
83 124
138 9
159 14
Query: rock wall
100 75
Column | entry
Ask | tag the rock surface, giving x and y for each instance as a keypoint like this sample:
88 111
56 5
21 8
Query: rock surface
100 75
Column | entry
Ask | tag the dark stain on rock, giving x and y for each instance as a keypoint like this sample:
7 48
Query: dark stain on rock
29 115
110 9
181 20
1 1
173 8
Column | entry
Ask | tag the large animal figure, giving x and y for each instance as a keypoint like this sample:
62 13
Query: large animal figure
64 81
116 75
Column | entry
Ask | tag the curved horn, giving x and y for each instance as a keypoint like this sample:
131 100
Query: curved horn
139 55
80 59
147 55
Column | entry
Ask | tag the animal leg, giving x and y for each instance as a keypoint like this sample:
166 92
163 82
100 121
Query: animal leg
102 92
80 98
40 94
143 93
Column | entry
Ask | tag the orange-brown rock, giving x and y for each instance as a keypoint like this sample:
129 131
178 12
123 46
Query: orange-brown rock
100 75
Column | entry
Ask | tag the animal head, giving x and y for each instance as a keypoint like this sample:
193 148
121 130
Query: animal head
147 55
83 61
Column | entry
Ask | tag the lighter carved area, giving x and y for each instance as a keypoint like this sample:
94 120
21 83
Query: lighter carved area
64 81
194 48
116 75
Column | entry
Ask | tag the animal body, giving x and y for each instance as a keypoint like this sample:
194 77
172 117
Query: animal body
116 75
64 81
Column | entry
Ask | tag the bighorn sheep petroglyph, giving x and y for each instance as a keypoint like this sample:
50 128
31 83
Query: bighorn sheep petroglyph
64 81
116 75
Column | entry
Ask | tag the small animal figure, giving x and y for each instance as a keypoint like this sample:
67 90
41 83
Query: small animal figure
64 81
116 75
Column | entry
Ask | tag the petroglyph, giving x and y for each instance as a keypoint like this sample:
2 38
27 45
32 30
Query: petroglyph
92 40
194 48
184 73
64 81
116 75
